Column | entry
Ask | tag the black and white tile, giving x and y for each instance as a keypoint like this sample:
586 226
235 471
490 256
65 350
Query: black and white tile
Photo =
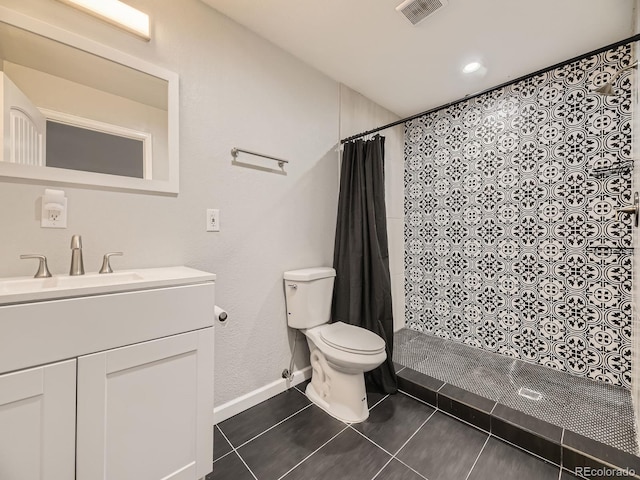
597 410
503 211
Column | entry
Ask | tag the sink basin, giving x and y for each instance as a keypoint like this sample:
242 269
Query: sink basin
28 289
24 285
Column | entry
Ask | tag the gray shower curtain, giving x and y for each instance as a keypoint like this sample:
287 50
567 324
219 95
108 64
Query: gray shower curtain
362 290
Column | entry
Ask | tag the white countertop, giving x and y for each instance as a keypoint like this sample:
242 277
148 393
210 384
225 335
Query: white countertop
28 289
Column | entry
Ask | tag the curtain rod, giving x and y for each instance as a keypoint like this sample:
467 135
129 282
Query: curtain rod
634 38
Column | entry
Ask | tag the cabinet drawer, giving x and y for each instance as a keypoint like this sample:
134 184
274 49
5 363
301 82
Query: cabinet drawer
44 332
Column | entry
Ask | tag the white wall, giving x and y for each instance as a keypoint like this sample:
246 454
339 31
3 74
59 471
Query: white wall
359 114
235 90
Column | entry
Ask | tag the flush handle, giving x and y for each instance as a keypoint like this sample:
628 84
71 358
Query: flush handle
293 285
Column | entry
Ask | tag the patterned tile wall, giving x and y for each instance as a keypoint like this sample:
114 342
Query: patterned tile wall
511 240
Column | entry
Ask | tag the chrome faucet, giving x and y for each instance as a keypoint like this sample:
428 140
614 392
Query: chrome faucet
77 266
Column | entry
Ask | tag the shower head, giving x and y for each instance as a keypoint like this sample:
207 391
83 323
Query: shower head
607 89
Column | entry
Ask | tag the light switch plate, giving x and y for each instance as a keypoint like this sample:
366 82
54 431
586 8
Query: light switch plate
213 220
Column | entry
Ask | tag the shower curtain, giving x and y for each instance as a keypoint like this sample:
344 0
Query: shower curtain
362 290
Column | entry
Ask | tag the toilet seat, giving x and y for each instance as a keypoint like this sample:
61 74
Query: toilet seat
351 339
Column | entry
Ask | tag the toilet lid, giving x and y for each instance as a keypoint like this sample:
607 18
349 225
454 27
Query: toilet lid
350 338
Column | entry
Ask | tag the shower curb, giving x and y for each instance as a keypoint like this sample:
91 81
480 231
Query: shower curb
569 450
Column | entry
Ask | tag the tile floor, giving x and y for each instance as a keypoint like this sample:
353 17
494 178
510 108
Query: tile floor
403 439
596 410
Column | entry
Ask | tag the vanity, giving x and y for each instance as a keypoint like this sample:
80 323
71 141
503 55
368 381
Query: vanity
107 376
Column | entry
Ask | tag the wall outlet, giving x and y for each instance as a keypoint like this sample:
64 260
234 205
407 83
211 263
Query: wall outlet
54 214
213 220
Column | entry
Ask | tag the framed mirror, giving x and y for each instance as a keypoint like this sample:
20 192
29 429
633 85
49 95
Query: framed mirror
74 111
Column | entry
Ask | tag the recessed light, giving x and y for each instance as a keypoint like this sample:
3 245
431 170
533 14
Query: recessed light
472 67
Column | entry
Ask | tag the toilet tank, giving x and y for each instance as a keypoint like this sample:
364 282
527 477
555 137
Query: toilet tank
308 294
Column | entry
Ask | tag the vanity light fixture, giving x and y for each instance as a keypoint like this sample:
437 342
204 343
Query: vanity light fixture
117 13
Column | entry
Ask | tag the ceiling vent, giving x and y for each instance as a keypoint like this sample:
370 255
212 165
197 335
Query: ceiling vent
418 10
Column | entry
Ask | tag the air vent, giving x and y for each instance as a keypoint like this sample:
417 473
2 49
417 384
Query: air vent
417 10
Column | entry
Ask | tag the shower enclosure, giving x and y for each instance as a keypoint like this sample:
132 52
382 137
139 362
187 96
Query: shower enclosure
513 246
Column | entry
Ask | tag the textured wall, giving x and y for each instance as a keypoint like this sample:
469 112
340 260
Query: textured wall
236 89
503 211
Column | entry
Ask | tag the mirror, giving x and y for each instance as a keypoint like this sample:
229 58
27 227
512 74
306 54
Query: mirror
76 111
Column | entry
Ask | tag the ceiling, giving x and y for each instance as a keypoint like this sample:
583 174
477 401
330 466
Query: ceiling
407 69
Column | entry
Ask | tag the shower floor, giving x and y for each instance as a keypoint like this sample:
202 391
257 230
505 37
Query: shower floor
593 409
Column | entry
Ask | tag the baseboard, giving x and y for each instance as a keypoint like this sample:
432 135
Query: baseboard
248 400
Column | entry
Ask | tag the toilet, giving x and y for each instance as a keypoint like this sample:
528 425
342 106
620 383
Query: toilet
340 353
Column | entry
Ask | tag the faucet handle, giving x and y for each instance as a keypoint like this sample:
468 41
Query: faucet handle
43 268
106 265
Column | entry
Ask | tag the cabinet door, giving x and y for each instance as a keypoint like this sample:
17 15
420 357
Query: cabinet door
38 423
145 411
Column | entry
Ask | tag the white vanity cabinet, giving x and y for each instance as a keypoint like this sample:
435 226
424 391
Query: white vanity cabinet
144 410
37 423
113 386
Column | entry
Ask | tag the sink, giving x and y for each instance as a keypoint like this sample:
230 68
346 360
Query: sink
25 285
28 289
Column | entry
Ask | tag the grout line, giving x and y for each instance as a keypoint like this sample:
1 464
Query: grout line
575 474
383 467
562 448
411 468
227 440
476 461
272 426
488 432
367 438
225 455
236 452
309 456
296 387
378 402
416 398
245 464
414 433
393 456
526 451
501 439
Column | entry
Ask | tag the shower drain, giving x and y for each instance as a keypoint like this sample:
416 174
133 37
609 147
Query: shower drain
530 394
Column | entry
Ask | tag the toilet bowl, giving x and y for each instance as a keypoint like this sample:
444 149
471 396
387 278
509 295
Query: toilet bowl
340 353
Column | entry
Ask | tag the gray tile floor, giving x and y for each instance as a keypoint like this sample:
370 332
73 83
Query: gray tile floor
287 437
594 409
